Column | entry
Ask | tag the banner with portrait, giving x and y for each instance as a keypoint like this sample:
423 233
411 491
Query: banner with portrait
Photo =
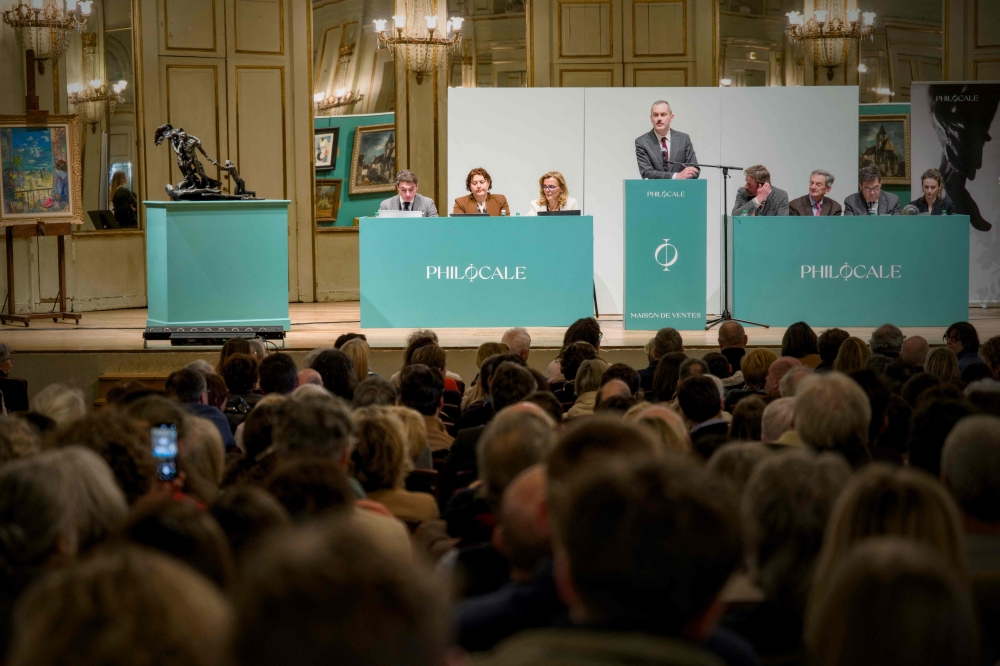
955 128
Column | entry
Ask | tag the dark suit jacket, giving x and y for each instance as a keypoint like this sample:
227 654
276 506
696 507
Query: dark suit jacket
803 206
942 206
15 394
888 204
494 204
775 204
649 155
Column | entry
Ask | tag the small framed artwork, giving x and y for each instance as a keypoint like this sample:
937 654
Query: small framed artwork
884 140
40 171
373 161
327 200
325 143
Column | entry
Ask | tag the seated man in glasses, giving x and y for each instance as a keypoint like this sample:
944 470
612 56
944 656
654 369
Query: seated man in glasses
870 199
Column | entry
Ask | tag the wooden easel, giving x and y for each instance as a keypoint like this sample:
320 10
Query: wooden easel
39 228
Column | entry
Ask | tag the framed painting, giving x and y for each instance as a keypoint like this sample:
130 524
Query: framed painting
40 171
884 140
327 200
373 161
325 143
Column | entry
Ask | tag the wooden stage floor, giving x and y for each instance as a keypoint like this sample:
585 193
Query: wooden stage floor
319 324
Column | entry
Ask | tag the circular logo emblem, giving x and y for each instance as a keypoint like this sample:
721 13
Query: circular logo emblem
667 261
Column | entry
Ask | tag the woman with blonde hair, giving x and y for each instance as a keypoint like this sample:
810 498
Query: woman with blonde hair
553 195
360 352
587 383
853 356
416 435
943 364
934 200
474 393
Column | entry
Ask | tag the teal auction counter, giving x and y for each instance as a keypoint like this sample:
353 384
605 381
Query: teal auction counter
217 263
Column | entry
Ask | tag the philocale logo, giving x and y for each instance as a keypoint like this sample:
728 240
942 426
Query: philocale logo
847 272
473 273
667 261
956 98
673 194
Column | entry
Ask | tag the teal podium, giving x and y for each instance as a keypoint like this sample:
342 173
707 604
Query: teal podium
665 255
432 272
852 271
217 263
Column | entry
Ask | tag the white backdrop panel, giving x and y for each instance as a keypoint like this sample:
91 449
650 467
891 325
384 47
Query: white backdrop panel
615 117
516 134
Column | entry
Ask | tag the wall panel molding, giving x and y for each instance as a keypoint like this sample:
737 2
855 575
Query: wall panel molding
259 27
659 28
193 27
593 22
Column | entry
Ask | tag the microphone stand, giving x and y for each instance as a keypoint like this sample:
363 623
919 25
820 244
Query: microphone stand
726 315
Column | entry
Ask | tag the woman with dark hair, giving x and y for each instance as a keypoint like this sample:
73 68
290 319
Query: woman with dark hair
232 346
668 372
240 374
582 330
934 200
963 339
480 200
829 342
800 342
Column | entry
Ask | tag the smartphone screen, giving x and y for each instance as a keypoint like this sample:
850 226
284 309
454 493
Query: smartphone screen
164 439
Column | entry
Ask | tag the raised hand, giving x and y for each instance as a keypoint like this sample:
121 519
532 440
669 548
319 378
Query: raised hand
763 192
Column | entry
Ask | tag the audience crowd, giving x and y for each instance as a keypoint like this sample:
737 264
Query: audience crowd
836 505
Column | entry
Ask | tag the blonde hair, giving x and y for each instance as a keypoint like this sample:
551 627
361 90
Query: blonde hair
755 365
415 428
380 458
669 431
359 351
943 364
474 392
60 403
588 376
563 190
201 456
852 356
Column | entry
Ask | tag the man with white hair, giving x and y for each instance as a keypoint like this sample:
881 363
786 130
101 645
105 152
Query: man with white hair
776 423
832 413
519 342
815 203
789 384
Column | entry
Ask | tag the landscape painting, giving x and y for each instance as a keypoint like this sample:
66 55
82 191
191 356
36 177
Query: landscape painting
327 201
373 161
35 167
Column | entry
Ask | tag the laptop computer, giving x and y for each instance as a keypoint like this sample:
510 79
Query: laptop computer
560 212
400 213
468 215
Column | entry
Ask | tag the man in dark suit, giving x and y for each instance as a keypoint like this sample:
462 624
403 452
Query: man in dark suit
815 203
14 392
757 197
407 198
655 150
870 199
700 400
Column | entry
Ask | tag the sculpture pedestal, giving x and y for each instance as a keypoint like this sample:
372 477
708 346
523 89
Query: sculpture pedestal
217 263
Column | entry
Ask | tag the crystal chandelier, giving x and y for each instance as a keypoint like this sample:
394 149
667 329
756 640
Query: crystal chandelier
45 26
336 104
416 40
827 38
94 100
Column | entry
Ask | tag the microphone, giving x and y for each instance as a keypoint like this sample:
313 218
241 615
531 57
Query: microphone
910 209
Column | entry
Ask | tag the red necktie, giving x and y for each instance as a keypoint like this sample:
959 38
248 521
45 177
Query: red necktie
816 207
666 151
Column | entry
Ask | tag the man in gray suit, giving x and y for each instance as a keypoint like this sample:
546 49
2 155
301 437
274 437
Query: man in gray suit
407 198
655 150
870 199
757 197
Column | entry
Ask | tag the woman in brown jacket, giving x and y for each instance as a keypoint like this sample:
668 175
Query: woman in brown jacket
480 200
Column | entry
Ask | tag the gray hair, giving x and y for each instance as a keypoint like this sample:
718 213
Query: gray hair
735 462
4 351
589 374
314 425
421 333
970 465
777 419
313 355
826 174
18 439
517 339
832 412
661 101
886 339
789 383
60 403
510 444
202 366
785 509
406 176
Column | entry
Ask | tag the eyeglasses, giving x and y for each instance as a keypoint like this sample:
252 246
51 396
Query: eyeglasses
950 338
550 187
871 190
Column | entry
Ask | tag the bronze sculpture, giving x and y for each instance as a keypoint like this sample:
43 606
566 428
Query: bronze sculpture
196 184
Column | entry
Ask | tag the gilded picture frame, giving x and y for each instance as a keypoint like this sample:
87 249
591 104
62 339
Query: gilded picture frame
373 160
41 177
884 140
328 200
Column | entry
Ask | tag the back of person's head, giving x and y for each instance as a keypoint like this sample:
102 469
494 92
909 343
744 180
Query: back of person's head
929 427
887 340
524 539
970 466
829 342
259 426
799 341
664 423
916 385
588 375
666 341
975 372
185 531
747 418
125 605
230 347
548 402
990 351
943 364
433 356
777 418
755 366
692 367
984 394
381 459
337 371
833 413
329 593
60 403
914 351
625 373
18 439
487 349
878 363
414 427
374 391
186 386
718 365
218 392
626 578
853 356
667 375
344 338
732 334
892 601
421 388
359 352
201 458
573 355
735 462
278 374
965 333
309 488
898 372
877 389
246 513
511 383
491 364
512 442
583 330
786 504
240 373
788 386
699 398
517 340
313 425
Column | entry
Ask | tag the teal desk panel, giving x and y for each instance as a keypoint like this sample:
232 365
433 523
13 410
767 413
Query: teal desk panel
217 263
665 254
851 271
463 271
